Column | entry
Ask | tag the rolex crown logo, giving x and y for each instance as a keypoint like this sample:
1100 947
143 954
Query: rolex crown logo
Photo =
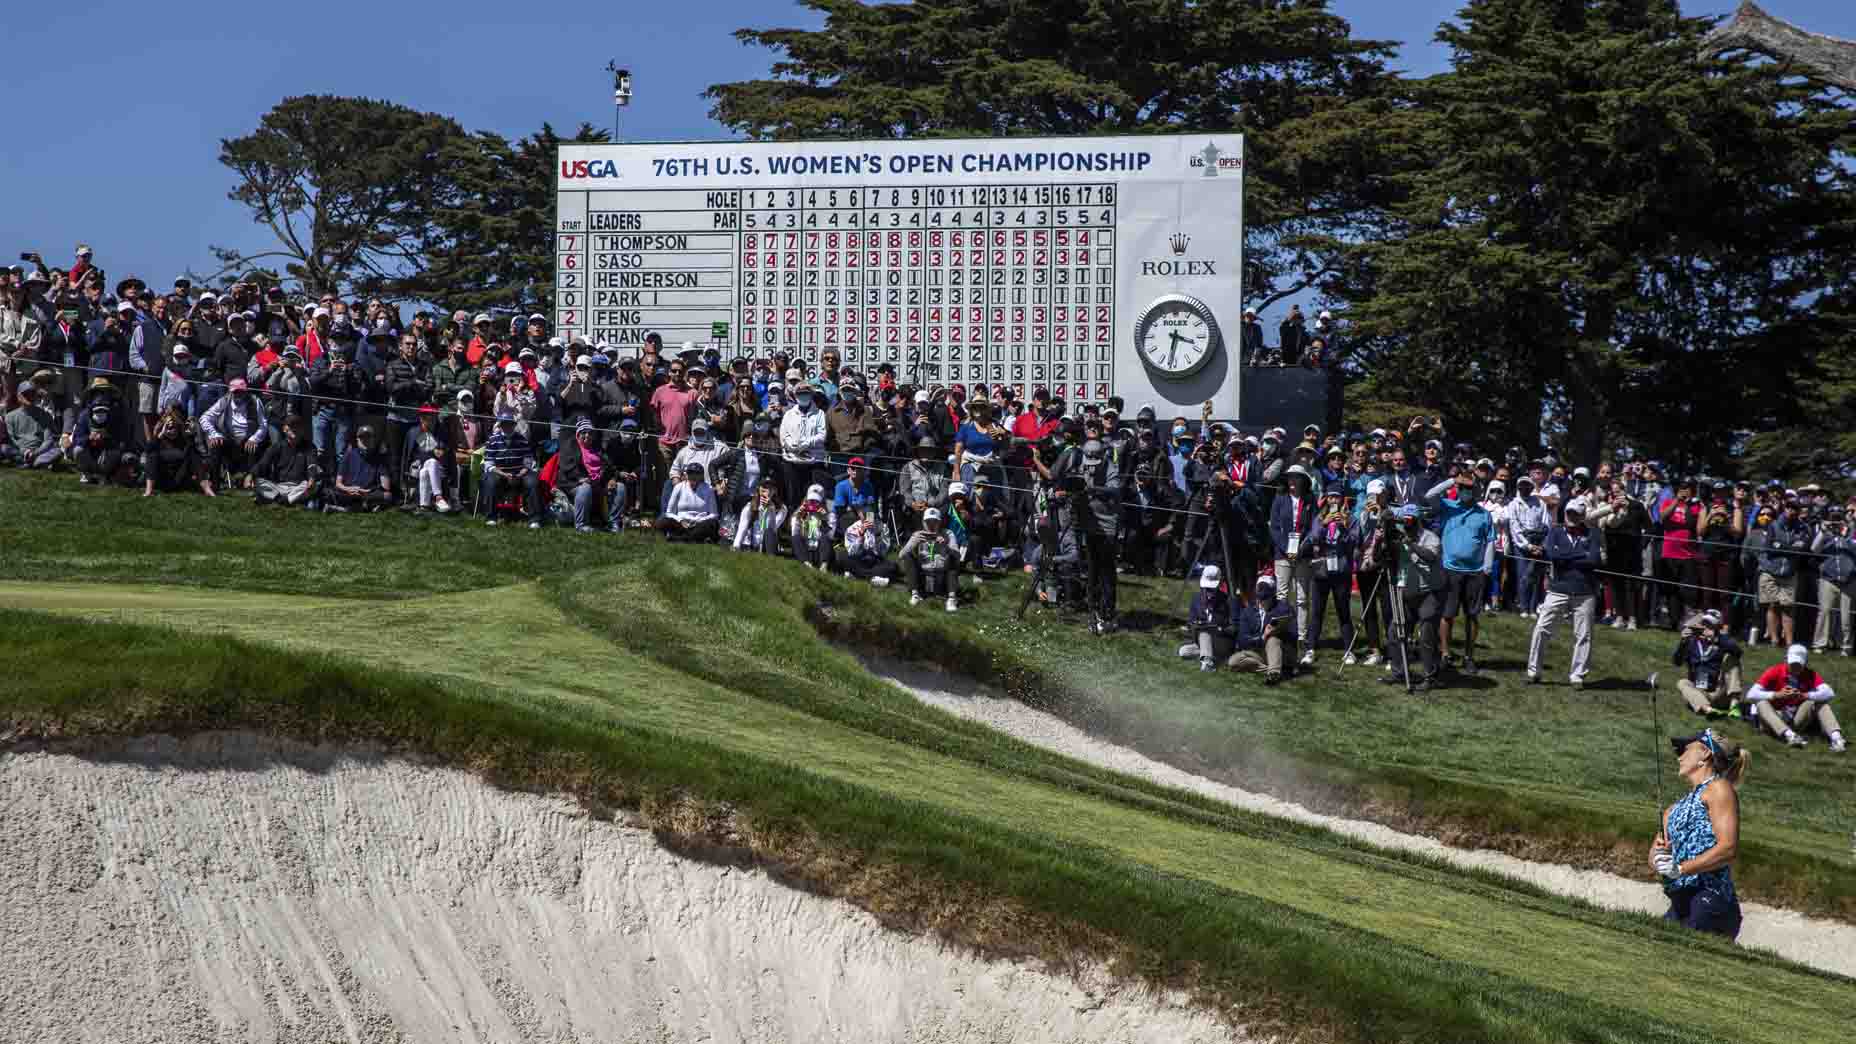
1180 241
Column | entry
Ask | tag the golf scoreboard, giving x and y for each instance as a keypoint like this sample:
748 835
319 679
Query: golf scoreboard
1089 266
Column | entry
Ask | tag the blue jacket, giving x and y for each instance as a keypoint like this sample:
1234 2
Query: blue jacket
1782 540
1252 618
1282 523
1575 561
1467 531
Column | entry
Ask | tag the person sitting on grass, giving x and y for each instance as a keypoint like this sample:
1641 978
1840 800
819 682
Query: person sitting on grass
508 460
286 472
1790 698
362 482
929 563
810 529
690 515
762 520
235 430
850 497
100 443
861 557
171 462
1212 617
1266 635
31 431
1711 658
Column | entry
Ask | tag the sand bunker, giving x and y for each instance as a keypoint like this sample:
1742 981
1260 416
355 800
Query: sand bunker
1820 943
234 888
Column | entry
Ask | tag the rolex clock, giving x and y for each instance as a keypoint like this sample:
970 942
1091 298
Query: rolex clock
1176 336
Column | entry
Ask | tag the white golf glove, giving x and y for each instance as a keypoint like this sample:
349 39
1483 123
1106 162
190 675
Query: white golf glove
1665 863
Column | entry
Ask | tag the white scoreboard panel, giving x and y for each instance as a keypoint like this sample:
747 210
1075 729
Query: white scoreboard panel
1090 266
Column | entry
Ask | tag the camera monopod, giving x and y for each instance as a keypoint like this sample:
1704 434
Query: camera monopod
1656 749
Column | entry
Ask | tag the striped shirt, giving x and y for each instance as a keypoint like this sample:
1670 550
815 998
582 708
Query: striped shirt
508 451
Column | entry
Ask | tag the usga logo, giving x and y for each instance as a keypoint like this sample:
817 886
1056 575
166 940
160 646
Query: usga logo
589 169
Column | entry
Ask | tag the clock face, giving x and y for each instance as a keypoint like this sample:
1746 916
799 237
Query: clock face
1176 336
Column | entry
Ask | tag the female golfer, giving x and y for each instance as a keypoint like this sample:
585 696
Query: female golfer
1701 832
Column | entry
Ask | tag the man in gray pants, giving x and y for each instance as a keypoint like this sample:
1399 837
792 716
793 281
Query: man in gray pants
1572 550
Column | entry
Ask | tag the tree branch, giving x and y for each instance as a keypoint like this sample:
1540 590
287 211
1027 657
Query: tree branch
1751 28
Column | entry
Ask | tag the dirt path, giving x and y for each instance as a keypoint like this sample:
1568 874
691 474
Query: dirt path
235 888
1825 944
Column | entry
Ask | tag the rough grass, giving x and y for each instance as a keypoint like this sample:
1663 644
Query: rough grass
1318 944
1539 772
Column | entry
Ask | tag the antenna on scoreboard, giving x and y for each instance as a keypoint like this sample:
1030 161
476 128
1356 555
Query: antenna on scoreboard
621 93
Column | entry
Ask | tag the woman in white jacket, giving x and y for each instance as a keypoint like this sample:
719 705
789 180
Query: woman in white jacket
762 519
802 444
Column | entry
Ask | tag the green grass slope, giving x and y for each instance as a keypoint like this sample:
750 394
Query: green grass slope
632 673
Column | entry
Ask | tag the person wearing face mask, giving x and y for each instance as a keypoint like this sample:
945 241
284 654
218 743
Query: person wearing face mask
580 398
742 471
803 437
177 388
581 476
235 430
852 427
702 449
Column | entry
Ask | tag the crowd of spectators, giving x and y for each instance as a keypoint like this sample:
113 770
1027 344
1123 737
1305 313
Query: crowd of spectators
339 405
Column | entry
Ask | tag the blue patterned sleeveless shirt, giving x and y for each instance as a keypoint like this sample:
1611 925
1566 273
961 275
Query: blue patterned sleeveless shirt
1691 833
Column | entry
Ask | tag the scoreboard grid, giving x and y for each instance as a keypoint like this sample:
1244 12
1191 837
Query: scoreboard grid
951 284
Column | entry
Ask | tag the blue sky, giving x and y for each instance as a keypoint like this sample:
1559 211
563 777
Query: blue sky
121 107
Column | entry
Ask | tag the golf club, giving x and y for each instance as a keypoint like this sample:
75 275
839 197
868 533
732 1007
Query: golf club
1656 749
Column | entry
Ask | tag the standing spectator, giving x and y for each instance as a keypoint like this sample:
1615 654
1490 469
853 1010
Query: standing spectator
1574 554
1467 534
1528 522
1682 514
408 387
803 437
1292 515
1790 697
1332 538
1420 587
673 403
1621 518
1836 580
853 428
1778 570
1250 339
1293 336
20 338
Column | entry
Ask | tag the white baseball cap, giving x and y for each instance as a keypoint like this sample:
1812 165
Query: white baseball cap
688 346
931 515
482 317
818 493
321 312
512 367
1550 491
124 306
1210 578
583 360
958 487
1375 487
1576 506
1797 654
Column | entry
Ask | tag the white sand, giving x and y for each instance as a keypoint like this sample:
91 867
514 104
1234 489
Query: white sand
1825 944
229 888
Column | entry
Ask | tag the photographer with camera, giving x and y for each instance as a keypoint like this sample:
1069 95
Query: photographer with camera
1711 660
1620 520
1418 576
1836 579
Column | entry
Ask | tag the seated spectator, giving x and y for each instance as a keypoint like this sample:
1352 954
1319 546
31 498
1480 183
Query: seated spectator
427 459
1266 635
1213 619
171 462
1711 659
363 482
810 530
924 480
1790 698
690 514
762 519
702 448
930 565
508 460
989 526
177 381
286 474
100 445
581 477
862 556
235 431
31 430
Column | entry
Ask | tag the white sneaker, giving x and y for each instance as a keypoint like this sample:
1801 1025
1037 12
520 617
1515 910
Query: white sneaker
1792 739
953 604
1348 660
444 506
1372 660
915 598
1617 623
879 581
1631 626
534 525
1206 664
1837 746
490 522
1308 659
